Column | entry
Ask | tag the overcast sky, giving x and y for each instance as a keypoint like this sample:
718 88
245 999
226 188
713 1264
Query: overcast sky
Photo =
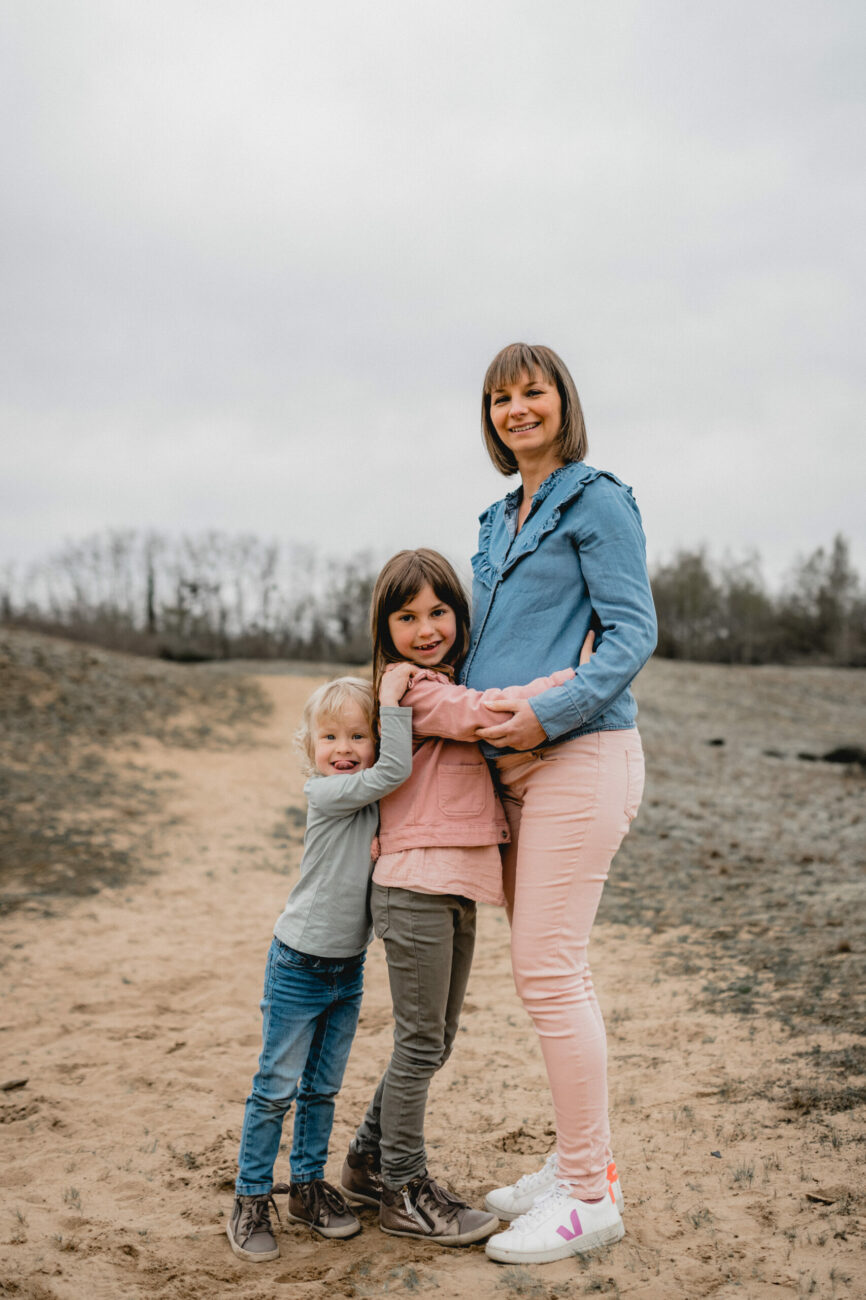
256 257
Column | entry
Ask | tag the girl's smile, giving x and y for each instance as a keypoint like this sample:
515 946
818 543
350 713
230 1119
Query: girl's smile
424 630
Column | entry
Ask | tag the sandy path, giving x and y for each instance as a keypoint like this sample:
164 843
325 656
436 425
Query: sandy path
134 1017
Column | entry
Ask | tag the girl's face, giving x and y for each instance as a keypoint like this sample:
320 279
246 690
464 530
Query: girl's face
424 630
527 416
344 743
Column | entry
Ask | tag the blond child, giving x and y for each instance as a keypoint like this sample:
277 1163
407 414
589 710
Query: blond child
315 968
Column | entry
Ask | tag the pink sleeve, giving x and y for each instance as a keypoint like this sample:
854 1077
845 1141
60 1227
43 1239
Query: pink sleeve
535 687
455 712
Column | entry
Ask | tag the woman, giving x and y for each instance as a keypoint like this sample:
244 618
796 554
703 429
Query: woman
561 555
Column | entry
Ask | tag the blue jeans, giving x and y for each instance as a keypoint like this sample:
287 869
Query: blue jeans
309 1017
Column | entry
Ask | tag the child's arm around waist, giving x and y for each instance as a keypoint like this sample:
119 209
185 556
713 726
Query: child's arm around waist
338 796
455 712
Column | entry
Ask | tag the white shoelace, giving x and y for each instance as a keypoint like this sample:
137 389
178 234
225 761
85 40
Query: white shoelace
528 1181
543 1206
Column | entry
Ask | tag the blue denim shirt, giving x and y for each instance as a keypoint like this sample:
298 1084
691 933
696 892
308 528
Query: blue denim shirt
579 561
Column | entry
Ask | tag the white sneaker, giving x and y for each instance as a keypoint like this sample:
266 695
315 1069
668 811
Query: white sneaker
517 1198
558 1225
509 1202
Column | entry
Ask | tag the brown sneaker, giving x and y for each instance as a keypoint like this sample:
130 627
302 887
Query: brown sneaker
249 1230
422 1208
361 1179
322 1208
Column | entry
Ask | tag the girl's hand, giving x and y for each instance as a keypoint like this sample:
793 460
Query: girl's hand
521 731
396 681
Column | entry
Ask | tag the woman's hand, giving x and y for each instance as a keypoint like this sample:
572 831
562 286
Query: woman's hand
396 680
521 731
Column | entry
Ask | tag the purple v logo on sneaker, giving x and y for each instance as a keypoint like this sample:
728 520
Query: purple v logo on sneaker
576 1231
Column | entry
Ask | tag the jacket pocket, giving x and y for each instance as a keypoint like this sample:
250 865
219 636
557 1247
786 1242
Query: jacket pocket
462 788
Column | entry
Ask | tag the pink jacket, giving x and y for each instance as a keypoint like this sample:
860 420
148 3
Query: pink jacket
449 799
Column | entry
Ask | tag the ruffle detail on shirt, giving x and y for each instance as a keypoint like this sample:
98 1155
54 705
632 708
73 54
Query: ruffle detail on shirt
482 567
540 528
535 528
547 486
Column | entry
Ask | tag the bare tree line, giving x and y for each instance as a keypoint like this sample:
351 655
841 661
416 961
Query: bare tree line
209 596
724 612
216 595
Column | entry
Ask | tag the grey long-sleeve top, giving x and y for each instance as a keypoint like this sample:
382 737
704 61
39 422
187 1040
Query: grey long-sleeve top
328 911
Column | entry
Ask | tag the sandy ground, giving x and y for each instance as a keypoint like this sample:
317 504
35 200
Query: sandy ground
738 1125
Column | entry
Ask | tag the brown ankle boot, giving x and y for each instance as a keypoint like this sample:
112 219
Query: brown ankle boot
322 1208
249 1230
361 1179
422 1208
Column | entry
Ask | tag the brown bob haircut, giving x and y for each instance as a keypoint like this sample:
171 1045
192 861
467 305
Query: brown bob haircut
508 367
396 586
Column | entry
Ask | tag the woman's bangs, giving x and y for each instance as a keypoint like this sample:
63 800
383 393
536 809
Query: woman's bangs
512 363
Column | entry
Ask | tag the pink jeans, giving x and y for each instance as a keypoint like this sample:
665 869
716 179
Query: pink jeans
569 808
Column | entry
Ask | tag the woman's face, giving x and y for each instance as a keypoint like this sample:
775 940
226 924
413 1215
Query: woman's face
527 416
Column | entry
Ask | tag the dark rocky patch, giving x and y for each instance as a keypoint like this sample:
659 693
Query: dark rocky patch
846 754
